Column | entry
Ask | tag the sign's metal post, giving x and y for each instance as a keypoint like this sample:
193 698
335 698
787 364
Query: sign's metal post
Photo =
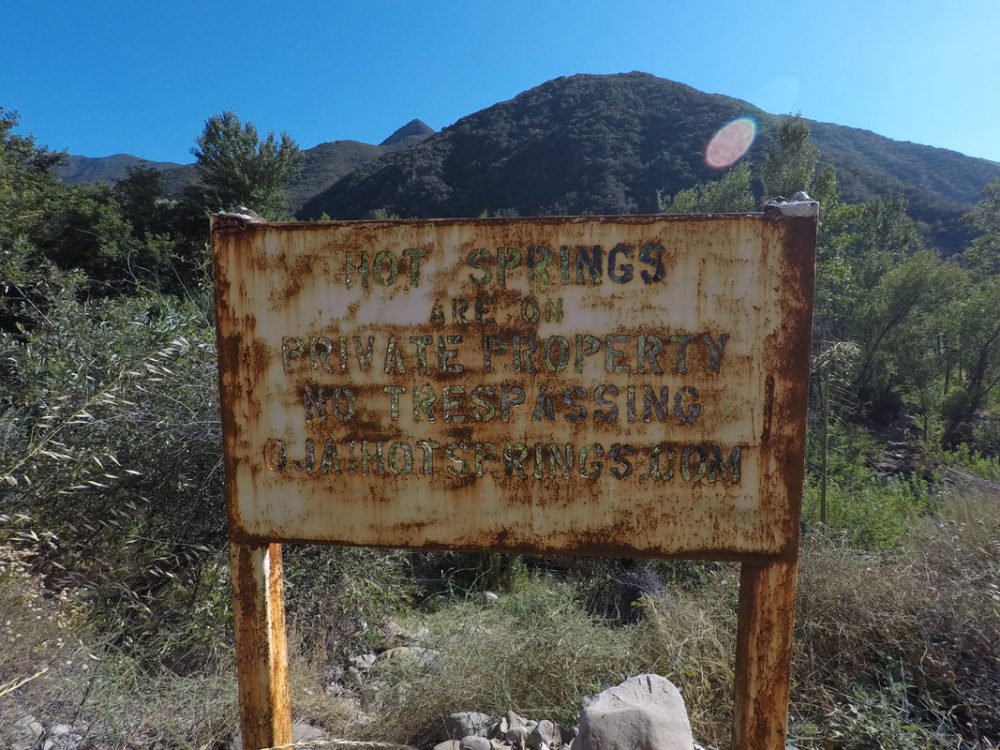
261 646
763 654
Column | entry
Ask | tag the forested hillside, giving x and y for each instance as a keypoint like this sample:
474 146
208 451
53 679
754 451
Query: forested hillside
606 144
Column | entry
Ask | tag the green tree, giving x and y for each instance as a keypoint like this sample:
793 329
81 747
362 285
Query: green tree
143 202
790 165
27 186
975 335
731 194
244 170
857 245
919 352
983 256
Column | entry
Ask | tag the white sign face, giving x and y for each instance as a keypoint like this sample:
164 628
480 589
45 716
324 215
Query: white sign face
629 386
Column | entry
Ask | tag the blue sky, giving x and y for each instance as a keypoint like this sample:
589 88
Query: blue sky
140 77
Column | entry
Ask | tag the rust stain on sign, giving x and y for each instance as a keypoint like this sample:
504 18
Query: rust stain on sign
633 386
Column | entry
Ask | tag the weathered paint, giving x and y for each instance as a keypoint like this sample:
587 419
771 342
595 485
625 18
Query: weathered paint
261 644
470 368
766 622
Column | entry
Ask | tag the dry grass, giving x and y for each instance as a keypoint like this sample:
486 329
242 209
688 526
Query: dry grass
900 648
535 651
42 660
54 667
690 637
922 626
896 649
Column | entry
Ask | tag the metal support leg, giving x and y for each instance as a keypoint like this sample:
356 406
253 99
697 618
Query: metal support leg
763 654
261 646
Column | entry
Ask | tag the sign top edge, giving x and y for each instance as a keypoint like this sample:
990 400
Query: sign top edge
789 210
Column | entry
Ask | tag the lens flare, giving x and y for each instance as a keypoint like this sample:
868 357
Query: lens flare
730 143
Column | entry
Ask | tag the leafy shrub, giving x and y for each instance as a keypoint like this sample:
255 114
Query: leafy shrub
986 467
111 461
873 512
445 577
613 589
341 599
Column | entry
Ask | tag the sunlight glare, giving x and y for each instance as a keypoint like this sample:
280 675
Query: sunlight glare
730 142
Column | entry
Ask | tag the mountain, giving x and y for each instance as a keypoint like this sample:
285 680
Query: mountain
322 165
78 169
590 144
412 132
326 163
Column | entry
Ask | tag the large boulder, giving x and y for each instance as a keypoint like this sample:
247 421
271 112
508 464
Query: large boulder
643 713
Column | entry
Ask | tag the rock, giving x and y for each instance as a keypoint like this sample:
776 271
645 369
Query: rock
363 662
475 742
63 739
402 654
301 732
513 720
355 674
465 723
517 736
448 745
24 733
544 733
335 689
568 734
643 713
499 729
394 634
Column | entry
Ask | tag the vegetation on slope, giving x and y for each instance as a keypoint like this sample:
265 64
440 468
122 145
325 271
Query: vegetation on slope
606 144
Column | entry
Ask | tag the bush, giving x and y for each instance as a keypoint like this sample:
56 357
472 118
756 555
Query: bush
535 652
923 624
964 457
444 577
614 589
340 600
111 463
873 512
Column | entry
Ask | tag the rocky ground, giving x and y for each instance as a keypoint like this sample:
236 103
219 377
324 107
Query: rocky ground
643 713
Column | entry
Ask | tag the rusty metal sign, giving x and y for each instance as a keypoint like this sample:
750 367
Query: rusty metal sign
627 386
